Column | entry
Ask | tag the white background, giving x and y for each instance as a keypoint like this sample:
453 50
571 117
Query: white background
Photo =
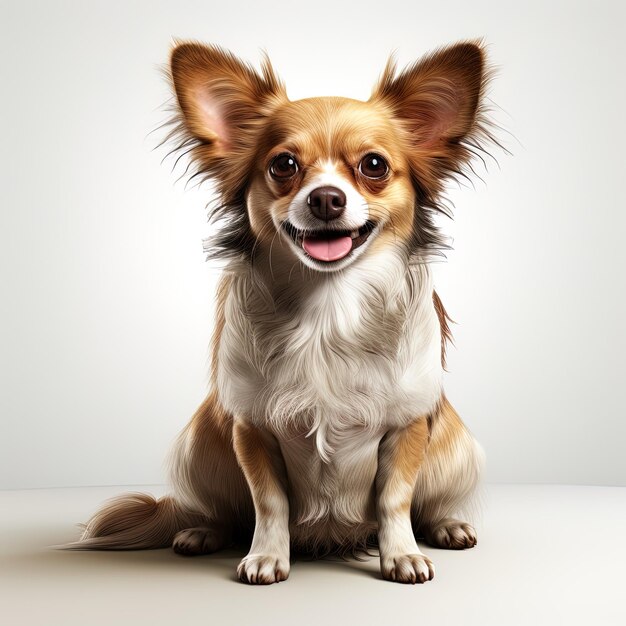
106 301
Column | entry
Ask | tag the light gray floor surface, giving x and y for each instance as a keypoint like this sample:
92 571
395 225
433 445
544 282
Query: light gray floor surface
546 555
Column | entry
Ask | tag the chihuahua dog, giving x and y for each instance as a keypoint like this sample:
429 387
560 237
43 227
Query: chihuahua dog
326 429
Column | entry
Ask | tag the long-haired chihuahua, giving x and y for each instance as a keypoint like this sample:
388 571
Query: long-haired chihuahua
326 429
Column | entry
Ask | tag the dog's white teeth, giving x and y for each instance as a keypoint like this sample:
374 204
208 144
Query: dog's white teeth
355 233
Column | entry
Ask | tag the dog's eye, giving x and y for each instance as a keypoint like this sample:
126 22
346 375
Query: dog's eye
284 166
373 166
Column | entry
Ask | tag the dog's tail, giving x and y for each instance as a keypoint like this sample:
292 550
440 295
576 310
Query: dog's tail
135 521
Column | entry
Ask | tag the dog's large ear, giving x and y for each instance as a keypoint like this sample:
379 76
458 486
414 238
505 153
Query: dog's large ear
437 98
221 98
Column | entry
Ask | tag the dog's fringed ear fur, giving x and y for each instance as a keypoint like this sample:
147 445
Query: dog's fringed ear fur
439 102
219 95
222 103
438 96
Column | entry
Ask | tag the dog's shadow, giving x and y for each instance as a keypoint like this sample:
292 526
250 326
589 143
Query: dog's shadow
46 556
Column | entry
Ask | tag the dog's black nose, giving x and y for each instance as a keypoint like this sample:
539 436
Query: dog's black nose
327 203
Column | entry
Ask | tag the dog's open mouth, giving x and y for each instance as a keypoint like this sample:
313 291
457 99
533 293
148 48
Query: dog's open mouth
329 245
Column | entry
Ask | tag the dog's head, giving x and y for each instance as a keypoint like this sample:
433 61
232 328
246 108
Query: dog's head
328 180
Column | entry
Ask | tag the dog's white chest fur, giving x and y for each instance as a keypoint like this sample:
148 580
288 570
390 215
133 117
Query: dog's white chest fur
337 490
331 369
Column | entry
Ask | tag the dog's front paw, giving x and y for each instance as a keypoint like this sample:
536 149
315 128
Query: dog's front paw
263 569
408 568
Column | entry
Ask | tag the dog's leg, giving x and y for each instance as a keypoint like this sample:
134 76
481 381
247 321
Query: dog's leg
261 460
400 456
446 482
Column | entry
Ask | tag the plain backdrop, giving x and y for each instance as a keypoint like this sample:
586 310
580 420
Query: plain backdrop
106 300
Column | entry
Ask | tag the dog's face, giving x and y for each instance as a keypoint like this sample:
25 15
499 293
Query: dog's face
327 181
331 178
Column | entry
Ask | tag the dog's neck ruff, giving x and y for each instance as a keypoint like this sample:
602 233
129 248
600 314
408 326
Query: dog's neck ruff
358 348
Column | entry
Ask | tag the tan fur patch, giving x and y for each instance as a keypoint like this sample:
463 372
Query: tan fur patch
261 461
403 461
451 470
204 469
221 295
444 323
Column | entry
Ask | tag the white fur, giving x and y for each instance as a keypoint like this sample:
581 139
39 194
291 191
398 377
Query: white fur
358 356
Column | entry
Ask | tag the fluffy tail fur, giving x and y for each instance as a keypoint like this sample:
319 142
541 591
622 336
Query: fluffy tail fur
135 521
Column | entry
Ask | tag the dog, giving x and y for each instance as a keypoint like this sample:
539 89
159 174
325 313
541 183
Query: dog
326 429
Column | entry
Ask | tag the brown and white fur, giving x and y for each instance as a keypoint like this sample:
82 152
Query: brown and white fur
326 427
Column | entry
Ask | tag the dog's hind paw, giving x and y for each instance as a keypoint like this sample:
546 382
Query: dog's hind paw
451 534
196 541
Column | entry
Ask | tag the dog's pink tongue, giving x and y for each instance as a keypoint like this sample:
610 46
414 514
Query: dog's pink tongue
327 249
